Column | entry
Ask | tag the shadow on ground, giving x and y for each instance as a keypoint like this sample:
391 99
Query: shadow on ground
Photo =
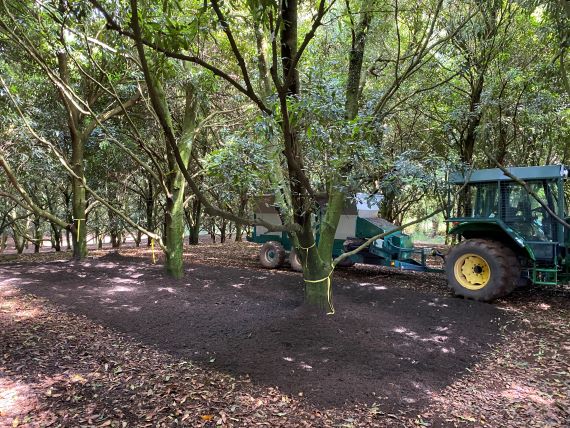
390 346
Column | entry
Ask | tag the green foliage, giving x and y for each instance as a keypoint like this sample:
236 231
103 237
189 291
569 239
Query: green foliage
239 164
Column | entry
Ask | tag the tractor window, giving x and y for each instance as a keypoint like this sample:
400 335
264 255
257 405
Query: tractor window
484 200
525 214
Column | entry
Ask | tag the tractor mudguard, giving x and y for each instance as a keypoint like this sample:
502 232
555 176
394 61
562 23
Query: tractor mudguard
490 228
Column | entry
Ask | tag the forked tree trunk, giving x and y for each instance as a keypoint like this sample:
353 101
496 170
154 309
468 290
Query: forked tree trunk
317 260
174 218
78 199
115 230
55 237
19 241
316 270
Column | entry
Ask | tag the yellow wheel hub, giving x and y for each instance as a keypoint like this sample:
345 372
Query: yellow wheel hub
472 271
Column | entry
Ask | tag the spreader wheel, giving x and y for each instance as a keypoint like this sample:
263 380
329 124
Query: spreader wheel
295 261
272 255
482 269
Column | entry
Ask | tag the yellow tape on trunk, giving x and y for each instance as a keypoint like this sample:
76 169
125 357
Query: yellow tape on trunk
307 250
78 226
329 290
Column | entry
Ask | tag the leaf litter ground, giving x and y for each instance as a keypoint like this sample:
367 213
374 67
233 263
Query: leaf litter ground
112 342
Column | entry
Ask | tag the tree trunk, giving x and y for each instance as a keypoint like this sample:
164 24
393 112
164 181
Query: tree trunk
79 231
3 240
469 137
223 227
174 219
317 260
38 235
115 241
78 200
55 229
264 79
175 201
56 236
115 230
239 226
174 216
19 241
67 198
150 209
68 239
196 224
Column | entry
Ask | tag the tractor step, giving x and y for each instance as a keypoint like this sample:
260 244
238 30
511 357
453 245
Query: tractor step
545 276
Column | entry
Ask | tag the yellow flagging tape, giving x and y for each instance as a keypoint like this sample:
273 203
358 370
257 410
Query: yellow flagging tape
329 291
78 226
307 249
152 248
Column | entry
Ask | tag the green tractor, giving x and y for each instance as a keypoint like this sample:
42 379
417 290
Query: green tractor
507 236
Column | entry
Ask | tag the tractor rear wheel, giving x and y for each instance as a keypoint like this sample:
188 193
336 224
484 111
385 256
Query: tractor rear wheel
482 269
272 254
295 261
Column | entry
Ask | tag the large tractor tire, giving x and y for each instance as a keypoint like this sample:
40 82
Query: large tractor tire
295 261
482 269
271 254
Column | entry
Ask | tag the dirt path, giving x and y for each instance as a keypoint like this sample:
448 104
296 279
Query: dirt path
391 346
392 355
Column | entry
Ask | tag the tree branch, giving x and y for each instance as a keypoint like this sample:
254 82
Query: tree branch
113 25
164 119
98 120
29 203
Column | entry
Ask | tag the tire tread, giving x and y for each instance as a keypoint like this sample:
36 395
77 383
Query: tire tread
502 284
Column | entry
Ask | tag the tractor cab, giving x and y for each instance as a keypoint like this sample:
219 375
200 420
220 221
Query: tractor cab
507 233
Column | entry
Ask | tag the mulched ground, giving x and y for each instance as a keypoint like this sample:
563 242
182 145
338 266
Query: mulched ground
112 342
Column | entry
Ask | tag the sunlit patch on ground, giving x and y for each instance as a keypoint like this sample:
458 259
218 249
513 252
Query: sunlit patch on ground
16 400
